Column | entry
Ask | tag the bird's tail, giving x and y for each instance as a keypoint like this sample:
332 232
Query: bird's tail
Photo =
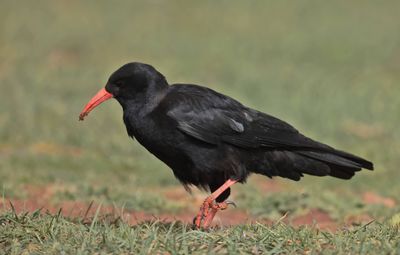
293 164
342 165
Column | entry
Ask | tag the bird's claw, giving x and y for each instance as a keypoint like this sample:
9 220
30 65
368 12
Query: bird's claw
223 205
206 211
229 202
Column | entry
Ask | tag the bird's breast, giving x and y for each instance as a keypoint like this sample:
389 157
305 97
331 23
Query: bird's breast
159 137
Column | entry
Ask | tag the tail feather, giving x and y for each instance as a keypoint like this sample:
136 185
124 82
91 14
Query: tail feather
363 163
289 165
342 165
338 158
343 172
293 164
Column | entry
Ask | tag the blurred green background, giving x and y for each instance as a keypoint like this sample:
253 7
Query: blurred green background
332 69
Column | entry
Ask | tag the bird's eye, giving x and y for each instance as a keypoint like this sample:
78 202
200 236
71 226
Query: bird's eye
118 83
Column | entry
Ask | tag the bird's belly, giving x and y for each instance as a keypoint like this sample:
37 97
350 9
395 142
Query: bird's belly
170 151
191 160
199 164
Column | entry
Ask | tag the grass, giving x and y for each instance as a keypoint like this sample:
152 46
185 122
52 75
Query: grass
330 69
54 234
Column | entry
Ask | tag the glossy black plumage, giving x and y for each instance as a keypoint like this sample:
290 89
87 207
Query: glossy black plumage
207 138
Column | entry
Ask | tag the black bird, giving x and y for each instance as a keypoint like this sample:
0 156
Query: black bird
212 141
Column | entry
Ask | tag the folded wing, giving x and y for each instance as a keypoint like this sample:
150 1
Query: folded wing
214 118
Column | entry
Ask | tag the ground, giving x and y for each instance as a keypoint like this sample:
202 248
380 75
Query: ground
43 198
330 69
40 222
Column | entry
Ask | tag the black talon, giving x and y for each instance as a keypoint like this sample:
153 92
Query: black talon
229 202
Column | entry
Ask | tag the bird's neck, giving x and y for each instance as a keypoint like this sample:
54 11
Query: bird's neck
145 102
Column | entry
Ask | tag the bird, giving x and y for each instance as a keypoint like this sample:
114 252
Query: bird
213 141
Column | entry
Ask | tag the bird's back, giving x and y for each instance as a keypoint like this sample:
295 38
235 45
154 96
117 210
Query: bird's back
264 143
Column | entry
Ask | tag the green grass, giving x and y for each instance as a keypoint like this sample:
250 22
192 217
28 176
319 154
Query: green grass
330 69
36 233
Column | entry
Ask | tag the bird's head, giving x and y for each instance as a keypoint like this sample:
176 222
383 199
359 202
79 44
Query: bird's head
133 82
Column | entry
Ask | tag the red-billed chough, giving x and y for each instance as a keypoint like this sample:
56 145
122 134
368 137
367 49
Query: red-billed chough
211 140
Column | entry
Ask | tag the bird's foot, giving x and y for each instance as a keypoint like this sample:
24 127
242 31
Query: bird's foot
208 210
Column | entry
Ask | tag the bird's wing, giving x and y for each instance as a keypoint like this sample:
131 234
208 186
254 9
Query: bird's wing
214 118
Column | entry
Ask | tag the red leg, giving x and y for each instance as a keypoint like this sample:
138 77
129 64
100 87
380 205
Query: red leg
209 204
214 209
210 217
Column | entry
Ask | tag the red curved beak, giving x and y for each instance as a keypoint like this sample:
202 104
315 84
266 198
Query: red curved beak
99 98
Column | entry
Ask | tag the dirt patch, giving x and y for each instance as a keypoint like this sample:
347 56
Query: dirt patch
363 130
358 220
54 149
316 218
373 198
39 193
